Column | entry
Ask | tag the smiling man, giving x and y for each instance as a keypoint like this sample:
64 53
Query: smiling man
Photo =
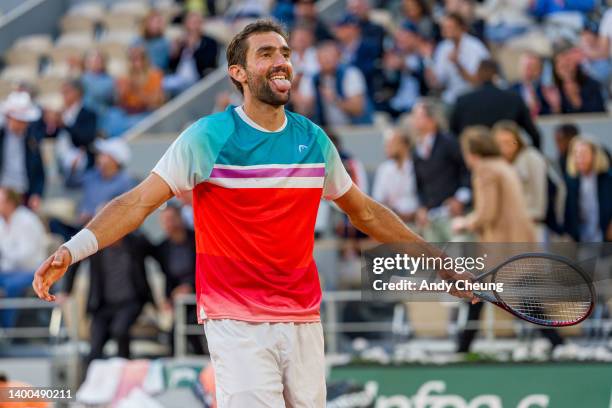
257 173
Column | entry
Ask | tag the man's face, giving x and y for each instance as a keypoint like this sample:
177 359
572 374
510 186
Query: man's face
346 33
170 220
420 120
106 164
305 9
394 147
70 95
15 126
268 69
328 58
583 157
193 22
507 144
301 39
530 67
450 29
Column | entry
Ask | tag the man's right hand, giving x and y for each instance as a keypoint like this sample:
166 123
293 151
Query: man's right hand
50 272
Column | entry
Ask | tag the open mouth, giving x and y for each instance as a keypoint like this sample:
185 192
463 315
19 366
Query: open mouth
280 82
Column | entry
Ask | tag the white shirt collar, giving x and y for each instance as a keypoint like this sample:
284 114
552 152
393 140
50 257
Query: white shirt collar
240 111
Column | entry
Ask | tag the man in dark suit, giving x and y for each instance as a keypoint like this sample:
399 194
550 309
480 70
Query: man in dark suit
74 130
193 56
530 86
441 175
21 165
355 49
488 104
118 291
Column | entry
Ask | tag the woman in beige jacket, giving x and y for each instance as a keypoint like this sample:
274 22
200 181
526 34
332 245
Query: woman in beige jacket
500 210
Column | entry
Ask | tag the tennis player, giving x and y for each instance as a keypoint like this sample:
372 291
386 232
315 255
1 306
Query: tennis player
257 173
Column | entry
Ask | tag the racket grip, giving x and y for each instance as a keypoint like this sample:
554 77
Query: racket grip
485 296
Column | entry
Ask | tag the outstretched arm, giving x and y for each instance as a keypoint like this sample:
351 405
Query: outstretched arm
384 226
118 218
374 219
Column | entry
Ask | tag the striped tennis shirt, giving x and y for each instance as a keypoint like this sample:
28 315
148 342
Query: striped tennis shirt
255 199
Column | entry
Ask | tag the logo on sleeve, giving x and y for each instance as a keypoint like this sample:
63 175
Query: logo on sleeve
301 148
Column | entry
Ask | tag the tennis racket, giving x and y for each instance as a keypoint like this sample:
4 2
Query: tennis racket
548 290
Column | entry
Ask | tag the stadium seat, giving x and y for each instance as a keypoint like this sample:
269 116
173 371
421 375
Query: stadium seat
77 40
91 9
6 87
118 21
428 319
136 9
20 57
20 73
117 67
36 43
78 23
174 32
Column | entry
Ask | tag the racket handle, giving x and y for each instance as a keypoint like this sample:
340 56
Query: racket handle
485 296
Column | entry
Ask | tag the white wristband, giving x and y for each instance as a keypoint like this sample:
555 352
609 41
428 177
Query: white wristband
82 245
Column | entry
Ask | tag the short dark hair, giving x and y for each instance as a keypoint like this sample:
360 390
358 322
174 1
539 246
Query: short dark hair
12 196
567 130
458 19
487 70
75 84
236 53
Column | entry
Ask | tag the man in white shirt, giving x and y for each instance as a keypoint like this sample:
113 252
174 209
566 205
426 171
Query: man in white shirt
456 59
395 183
22 248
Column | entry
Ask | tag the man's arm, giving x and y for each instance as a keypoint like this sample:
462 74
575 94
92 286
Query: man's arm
383 225
120 217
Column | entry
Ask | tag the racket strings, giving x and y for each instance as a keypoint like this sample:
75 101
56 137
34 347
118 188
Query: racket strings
545 289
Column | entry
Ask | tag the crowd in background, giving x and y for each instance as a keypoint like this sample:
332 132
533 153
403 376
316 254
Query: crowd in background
463 152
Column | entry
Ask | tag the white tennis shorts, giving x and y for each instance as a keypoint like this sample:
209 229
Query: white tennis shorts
270 365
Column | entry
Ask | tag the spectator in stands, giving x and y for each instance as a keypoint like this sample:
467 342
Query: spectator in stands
488 104
192 57
98 85
401 80
356 170
176 256
505 19
23 247
74 132
355 49
544 8
153 40
303 54
576 92
138 93
395 182
474 23
588 209
594 56
337 95
107 180
530 86
500 212
372 32
605 32
118 290
441 176
500 209
456 59
305 12
564 134
21 165
529 164
418 13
